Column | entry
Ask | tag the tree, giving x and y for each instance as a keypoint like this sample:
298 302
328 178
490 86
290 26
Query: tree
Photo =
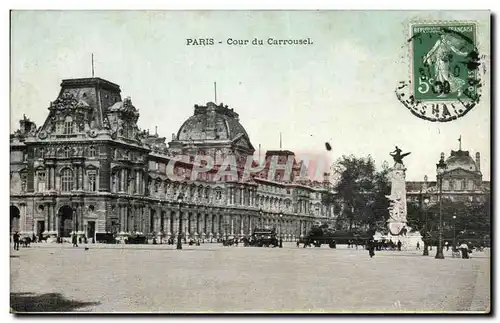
362 191
424 219
471 222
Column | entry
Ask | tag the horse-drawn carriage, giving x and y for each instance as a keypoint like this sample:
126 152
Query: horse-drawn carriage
265 237
321 234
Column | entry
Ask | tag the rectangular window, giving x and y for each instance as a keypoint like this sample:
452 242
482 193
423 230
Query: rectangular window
41 181
219 195
92 181
66 180
68 127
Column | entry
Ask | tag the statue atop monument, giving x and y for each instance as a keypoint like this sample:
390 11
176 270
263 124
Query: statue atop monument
398 156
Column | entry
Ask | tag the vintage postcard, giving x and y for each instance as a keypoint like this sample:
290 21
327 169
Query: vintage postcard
250 161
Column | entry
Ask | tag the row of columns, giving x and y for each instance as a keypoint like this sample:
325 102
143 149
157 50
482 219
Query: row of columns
123 184
202 223
78 177
78 209
50 218
51 177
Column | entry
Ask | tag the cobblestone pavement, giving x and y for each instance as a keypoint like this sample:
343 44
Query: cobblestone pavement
212 278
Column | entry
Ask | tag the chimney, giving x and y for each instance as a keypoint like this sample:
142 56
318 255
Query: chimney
478 161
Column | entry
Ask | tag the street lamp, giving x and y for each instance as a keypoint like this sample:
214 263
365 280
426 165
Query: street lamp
441 167
454 235
161 223
281 239
426 247
179 234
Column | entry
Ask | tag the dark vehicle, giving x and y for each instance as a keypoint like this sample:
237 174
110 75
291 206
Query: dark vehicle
321 234
264 238
137 239
105 238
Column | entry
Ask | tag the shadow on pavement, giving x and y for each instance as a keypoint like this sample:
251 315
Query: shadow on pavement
49 302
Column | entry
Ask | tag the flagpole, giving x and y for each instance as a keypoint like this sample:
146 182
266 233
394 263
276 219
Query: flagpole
215 91
92 65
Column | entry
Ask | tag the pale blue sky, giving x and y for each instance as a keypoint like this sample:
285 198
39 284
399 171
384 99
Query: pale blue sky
340 89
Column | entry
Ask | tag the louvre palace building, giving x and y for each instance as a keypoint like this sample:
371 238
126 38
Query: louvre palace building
462 180
90 170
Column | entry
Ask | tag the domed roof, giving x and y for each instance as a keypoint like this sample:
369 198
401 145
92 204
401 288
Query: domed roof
461 159
211 122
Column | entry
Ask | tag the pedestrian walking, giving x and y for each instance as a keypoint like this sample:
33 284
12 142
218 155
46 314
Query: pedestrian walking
298 244
447 246
418 245
16 240
399 245
74 240
371 248
464 249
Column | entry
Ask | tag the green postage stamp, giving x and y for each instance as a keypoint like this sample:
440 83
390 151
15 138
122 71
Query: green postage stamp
445 64
444 61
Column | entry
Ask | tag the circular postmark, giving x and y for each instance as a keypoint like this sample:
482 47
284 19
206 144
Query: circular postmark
445 70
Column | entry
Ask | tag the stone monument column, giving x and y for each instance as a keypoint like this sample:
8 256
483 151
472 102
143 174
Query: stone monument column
397 209
397 222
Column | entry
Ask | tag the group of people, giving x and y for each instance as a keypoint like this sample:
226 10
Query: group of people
18 240
385 245
461 249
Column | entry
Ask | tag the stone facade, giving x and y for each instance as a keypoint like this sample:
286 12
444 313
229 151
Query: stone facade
462 180
90 169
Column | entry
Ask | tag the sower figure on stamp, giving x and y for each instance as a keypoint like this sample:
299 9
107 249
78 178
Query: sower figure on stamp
440 56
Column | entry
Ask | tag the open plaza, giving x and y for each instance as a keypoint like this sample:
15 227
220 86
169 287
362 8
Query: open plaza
248 175
211 278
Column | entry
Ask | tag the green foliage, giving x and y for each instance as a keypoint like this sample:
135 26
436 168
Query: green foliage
362 189
472 219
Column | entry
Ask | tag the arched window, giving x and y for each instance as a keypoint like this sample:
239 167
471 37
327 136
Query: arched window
66 180
92 151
